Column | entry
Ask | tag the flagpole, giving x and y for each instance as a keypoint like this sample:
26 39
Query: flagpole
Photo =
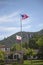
21 31
21 40
23 17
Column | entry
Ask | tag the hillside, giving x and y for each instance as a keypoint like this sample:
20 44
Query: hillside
25 37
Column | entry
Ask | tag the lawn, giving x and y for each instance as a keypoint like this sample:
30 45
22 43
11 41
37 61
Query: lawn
29 62
33 62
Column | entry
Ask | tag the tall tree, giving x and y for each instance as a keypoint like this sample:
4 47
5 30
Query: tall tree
32 43
40 43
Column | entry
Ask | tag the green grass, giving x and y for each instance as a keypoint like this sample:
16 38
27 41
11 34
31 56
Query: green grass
29 62
33 62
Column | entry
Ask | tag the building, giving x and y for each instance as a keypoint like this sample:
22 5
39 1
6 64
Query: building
4 48
12 56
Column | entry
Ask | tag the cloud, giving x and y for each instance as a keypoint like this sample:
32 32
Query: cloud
8 28
1 37
8 31
10 18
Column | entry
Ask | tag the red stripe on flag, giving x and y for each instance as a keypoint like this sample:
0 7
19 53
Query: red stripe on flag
24 16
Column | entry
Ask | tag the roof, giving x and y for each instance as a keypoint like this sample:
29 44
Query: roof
4 46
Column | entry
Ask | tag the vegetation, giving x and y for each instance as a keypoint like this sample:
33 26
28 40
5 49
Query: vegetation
29 44
28 62
40 41
34 62
2 57
10 41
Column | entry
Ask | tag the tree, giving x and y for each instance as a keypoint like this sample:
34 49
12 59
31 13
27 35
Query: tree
2 55
16 47
13 48
25 45
40 42
32 43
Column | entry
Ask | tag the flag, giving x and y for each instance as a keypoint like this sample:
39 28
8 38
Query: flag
18 37
24 16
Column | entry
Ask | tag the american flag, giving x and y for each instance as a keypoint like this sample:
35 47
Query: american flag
24 16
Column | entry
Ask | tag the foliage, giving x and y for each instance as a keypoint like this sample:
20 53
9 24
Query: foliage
12 39
2 55
40 41
32 43
16 47
40 53
25 45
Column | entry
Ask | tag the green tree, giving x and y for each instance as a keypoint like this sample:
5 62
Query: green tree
40 41
32 43
25 45
2 55
13 48
16 47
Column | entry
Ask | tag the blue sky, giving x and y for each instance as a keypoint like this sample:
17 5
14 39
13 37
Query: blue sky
10 11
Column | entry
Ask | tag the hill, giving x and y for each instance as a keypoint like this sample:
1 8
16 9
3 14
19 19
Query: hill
25 37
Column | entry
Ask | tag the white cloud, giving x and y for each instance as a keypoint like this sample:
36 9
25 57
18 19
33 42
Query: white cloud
13 29
8 31
1 37
10 17
9 28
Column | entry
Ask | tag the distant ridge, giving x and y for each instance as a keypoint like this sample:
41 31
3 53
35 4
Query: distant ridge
12 39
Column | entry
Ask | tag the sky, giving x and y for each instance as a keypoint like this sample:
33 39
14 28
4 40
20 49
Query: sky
10 16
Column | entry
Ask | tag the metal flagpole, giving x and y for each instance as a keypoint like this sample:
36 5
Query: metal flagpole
21 40
21 31
23 17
